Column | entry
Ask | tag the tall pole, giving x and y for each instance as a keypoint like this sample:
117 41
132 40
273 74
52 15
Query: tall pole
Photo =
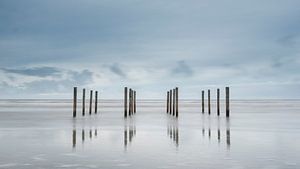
174 97
202 101
176 89
218 102
227 101
74 101
125 101
168 93
96 101
91 101
83 102
208 92
130 101
171 101
134 101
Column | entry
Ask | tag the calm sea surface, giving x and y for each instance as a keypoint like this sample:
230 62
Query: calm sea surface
42 134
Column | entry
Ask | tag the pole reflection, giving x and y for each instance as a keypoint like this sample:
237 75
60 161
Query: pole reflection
129 132
83 133
173 132
210 131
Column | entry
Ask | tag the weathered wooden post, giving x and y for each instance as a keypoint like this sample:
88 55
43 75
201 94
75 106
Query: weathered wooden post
208 93
134 102
91 101
227 101
168 93
74 101
96 101
125 101
202 101
83 102
130 101
218 102
171 101
174 101
176 89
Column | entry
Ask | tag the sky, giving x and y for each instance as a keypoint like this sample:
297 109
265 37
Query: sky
49 46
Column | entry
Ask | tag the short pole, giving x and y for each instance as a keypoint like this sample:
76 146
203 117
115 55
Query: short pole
91 101
227 101
74 101
176 89
171 102
174 99
168 93
202 101
208 93
83 102
125 101
96 101
218 102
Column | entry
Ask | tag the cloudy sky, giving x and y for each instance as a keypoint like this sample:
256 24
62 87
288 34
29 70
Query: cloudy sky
49 46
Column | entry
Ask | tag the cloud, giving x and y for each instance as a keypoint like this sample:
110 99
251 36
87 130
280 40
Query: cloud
36 71
182 68
115 68
43 80
81 77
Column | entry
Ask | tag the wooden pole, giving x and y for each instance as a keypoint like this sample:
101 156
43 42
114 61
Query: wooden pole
96 101
125 101
208 101
134 101
74 101
202 101
168 93
83 102
174 97
218 102
171 101
130 101
227 101
91 101
176 89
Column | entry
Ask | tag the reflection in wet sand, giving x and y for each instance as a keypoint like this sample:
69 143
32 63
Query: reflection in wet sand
129 132
228 132
173 131
218 131
74 137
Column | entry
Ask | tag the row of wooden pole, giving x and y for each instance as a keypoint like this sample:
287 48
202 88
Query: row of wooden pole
83 102
218 101
172 102
129 102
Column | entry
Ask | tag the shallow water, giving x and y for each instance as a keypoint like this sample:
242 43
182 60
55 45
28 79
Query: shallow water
43 134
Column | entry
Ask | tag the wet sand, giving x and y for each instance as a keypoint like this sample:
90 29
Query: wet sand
43 134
